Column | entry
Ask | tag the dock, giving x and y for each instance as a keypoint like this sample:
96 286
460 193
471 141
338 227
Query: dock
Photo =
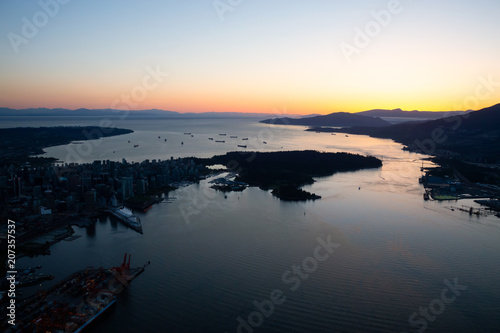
77 301
471 210
126 217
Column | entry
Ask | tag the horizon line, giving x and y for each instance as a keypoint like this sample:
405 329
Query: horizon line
229 112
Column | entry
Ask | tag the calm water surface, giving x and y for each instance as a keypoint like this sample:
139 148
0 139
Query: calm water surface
213 257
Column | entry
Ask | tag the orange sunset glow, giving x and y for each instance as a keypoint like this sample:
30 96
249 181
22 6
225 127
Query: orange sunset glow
317 59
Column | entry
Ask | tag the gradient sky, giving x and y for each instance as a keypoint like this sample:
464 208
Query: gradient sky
264 55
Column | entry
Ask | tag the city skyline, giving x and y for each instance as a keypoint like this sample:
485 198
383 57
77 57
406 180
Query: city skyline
243 56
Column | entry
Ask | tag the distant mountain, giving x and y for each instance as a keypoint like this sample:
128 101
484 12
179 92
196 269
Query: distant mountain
339 119
398 113
45 112
474 136
311 115
153 113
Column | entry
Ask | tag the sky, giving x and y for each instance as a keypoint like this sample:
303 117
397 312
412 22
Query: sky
286 56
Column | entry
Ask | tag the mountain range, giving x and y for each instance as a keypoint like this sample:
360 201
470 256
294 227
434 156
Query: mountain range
474 135
370 118
338 119
398 113
151 113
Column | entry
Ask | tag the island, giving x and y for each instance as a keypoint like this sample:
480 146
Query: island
284 172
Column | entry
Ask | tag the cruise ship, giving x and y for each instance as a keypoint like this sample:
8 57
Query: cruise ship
127 217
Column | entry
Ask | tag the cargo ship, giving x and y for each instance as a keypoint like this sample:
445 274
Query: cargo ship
126 216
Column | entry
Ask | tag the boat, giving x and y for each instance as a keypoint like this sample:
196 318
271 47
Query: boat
128 218
242 146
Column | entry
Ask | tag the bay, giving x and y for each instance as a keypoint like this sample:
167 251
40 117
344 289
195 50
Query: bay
213 258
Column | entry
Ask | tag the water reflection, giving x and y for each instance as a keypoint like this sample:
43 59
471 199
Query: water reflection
212 257
91 231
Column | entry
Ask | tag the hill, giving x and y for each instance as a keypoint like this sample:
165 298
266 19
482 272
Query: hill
338 119
17 144
474 136
398 113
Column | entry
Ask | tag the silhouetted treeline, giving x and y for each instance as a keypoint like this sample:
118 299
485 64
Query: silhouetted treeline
290 168
16 144
289 192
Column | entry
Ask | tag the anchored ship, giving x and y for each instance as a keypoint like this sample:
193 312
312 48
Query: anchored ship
128 218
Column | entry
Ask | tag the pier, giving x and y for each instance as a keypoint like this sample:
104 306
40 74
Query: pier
75 302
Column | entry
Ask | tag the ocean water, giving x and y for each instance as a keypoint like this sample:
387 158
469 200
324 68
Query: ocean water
217 263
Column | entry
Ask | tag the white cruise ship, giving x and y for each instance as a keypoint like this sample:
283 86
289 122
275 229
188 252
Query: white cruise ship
126 216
